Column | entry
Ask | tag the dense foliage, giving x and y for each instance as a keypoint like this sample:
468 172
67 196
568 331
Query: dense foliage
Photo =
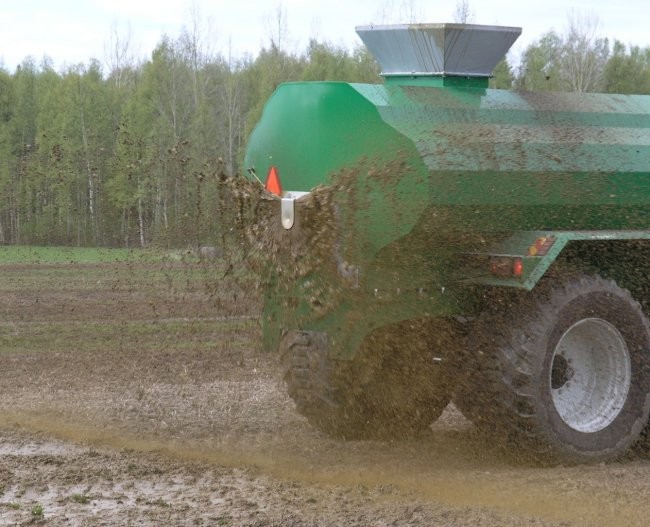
126 157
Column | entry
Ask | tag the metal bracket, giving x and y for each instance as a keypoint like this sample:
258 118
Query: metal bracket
287 208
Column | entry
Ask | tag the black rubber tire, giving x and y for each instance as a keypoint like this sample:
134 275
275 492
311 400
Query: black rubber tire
376 395
512 395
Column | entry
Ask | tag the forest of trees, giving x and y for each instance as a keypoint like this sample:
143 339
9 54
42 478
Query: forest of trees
123 154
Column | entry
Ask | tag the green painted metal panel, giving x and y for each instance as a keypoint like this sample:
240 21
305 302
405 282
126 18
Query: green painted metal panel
464 163
310 131
477 147
482 148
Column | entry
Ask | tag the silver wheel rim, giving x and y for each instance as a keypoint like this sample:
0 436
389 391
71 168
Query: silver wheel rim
590 375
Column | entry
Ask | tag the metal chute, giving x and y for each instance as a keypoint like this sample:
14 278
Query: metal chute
438 49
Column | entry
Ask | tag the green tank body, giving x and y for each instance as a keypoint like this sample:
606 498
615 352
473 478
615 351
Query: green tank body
517 160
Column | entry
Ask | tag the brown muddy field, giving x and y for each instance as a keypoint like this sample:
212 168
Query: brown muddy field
138 395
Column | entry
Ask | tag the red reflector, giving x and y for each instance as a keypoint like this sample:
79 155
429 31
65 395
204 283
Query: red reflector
273 182
506 266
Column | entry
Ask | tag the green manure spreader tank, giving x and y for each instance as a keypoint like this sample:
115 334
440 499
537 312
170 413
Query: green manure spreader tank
434 240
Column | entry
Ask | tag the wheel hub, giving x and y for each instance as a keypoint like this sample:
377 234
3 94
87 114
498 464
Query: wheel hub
561 372
590 375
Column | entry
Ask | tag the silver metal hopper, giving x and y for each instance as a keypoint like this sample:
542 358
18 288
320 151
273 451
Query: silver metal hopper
438 49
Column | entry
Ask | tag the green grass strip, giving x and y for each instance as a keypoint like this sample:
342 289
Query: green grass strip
76 255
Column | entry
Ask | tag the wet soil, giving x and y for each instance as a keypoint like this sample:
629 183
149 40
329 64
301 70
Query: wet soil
136 398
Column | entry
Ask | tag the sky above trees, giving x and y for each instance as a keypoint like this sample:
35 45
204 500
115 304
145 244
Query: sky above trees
75 31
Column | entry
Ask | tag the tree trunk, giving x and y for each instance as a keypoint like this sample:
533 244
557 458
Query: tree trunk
141 222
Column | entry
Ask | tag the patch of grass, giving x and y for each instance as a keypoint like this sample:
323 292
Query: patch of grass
37 511
74 255
13 505
99 276
80 498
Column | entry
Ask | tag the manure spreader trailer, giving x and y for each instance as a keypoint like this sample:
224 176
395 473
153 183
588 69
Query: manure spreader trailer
435 240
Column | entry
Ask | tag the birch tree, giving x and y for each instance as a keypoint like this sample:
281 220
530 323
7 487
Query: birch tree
584 54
